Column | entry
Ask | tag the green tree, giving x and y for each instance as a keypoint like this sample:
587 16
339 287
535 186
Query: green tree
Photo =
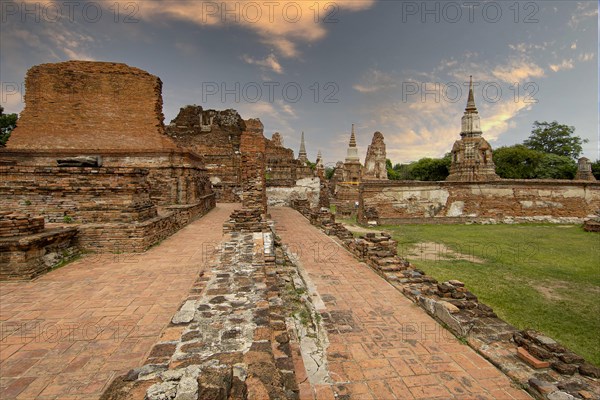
329 171
555 138
552 166
517 162
8 122
430 169
392 174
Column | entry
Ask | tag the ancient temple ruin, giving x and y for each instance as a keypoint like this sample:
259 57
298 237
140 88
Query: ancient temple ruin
91 150
216 135
584 170
375 167
472 154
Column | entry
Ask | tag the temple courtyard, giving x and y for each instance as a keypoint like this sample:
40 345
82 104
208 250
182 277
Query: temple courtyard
69 333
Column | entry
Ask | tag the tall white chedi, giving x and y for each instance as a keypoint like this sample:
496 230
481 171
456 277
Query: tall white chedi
352 153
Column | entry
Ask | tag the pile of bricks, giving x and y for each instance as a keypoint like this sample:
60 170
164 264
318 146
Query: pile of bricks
379 250
553 354
246 220
321 217
336 229
592 225
302 206
12 224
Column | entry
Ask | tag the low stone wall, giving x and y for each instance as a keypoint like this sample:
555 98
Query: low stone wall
138 237
395 202
12 225
27 250
541 365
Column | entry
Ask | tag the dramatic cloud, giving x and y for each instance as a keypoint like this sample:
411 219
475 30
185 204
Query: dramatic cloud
280 25
270 63
426 123
518 70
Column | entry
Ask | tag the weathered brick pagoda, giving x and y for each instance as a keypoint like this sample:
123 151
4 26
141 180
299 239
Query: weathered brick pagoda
90 149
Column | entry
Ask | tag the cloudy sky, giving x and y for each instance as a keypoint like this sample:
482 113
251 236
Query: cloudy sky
389 66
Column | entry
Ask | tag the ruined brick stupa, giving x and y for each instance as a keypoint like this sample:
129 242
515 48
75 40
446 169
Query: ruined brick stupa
375 167
472 154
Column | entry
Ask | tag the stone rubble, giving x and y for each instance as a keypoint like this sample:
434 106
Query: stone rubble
229 339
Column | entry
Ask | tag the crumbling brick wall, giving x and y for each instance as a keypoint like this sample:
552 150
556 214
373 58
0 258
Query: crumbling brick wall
216 135
252 147
280 163
420 202
79 194
375 161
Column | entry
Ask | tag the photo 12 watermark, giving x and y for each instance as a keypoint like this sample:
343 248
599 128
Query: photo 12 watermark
205 12
453 92
269 91
453 12
70 11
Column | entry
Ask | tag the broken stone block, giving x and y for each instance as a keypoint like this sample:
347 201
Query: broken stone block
185 313
564 368
162 391
187 389
542 386
560 396
590 370
524 355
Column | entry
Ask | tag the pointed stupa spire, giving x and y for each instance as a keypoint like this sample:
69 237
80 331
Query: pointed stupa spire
471 124
471 108
302 153
352 153
352 138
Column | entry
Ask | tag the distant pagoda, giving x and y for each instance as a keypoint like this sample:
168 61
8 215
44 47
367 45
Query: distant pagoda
472 154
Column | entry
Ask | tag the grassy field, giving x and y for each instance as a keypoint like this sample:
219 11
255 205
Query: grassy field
545 277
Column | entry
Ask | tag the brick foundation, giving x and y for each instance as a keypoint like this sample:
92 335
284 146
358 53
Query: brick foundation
138 237
27 250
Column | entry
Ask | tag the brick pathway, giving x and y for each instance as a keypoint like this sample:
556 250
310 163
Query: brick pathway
382 346
68 333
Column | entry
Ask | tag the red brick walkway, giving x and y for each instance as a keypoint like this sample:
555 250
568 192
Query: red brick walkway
384 347
67 334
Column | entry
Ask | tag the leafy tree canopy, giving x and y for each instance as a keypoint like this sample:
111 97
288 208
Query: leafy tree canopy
555 138
7 124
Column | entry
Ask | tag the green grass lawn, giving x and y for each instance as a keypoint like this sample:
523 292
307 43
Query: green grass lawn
545 277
